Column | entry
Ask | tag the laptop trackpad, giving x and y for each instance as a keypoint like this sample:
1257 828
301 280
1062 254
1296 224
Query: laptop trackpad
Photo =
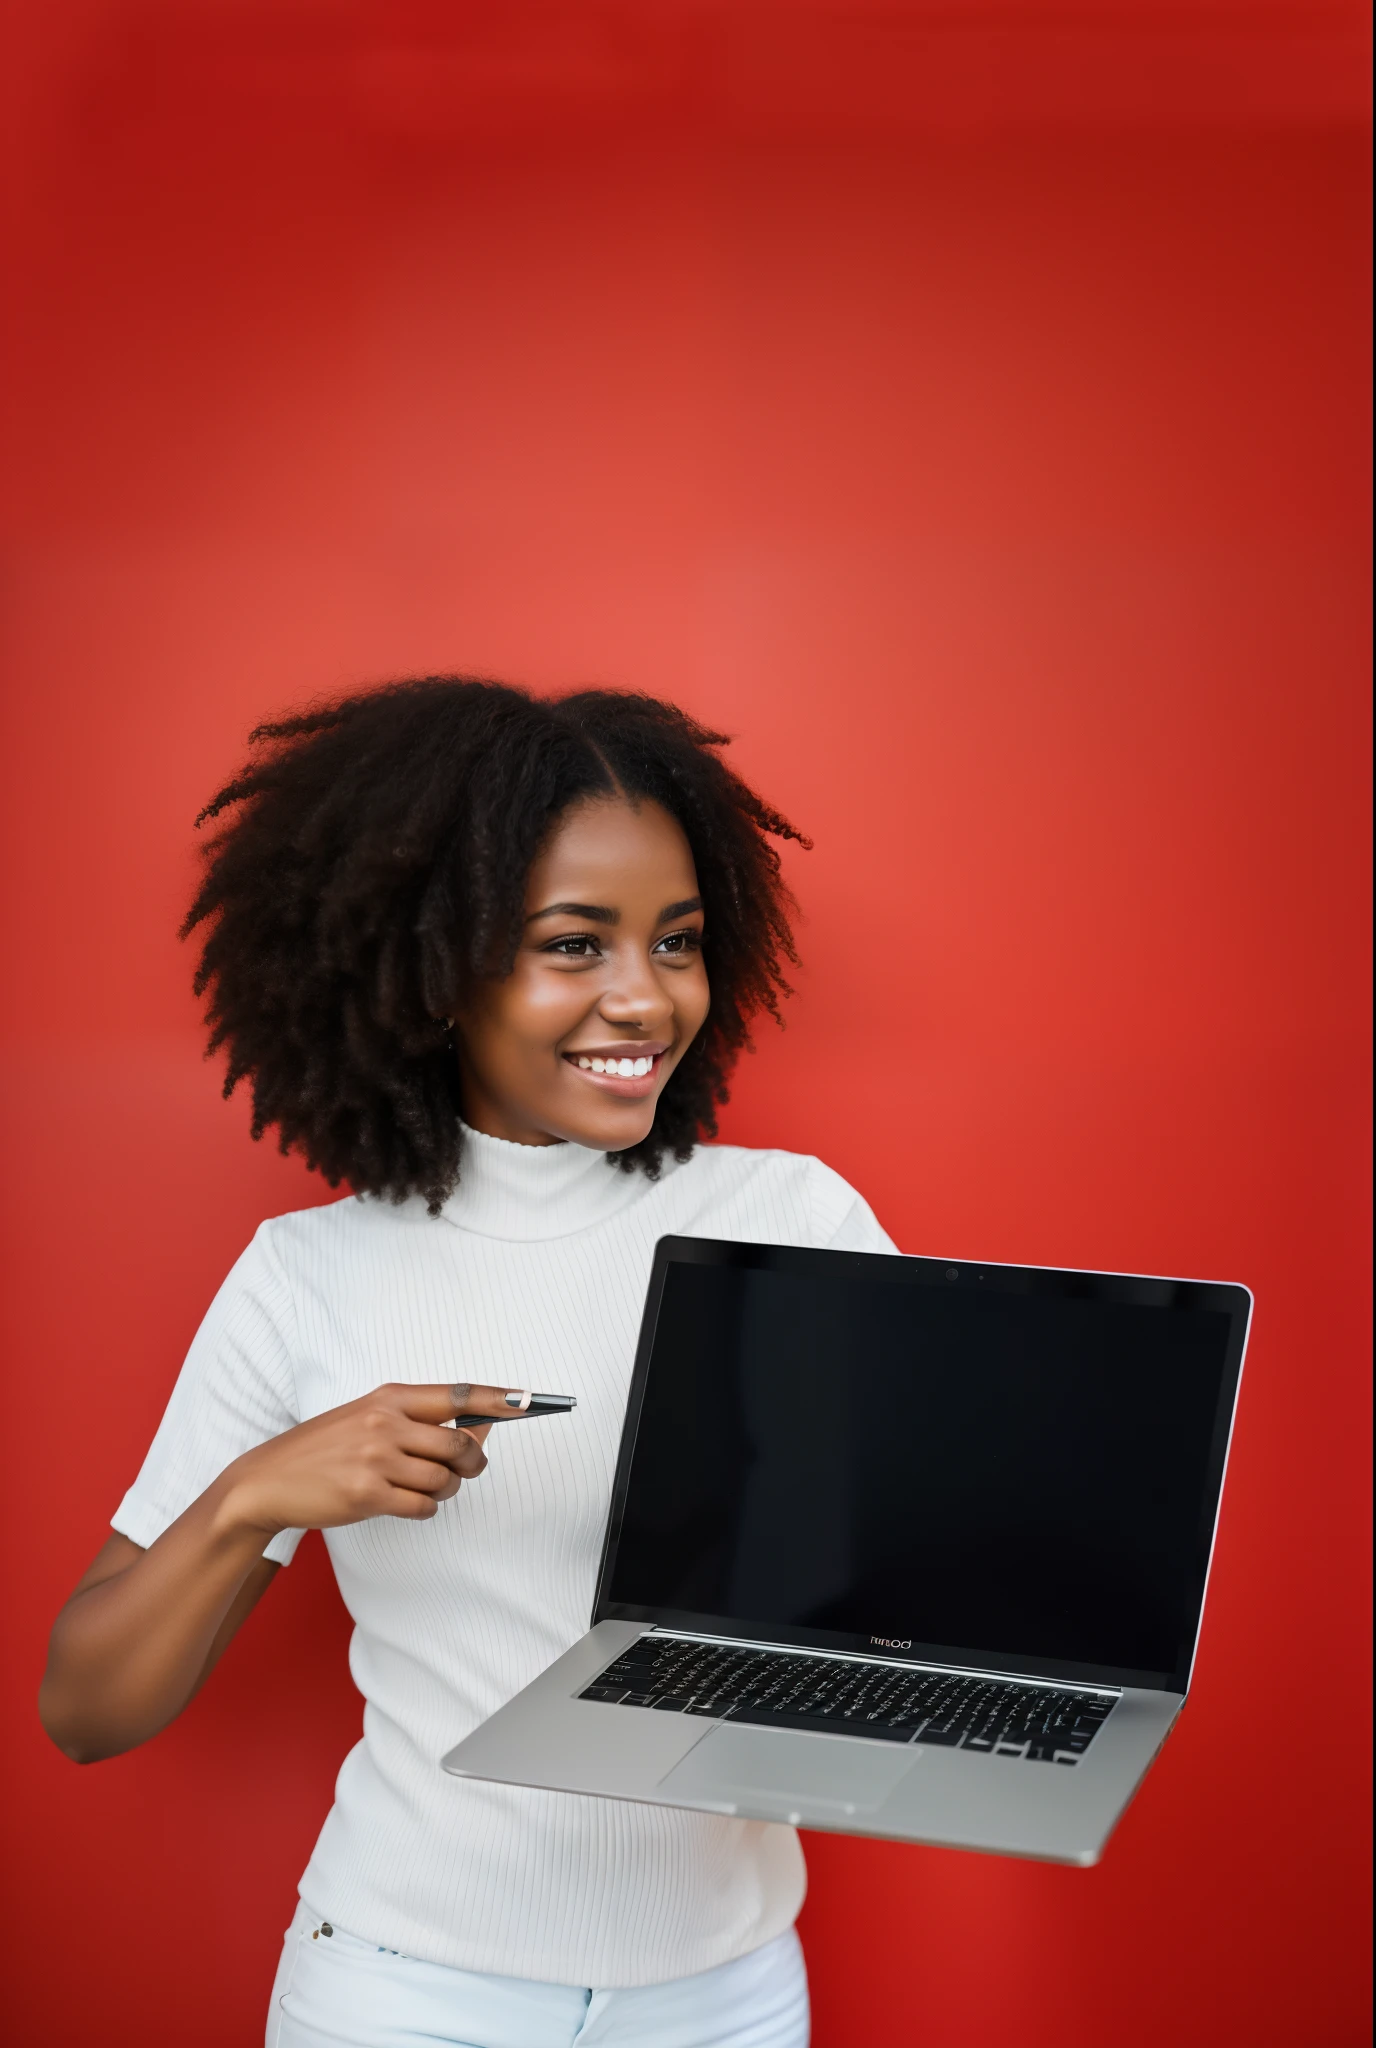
786 1769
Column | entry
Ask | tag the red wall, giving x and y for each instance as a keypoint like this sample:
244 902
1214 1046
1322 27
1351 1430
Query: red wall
969 416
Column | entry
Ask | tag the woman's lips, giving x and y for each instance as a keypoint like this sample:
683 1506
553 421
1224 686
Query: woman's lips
631 1074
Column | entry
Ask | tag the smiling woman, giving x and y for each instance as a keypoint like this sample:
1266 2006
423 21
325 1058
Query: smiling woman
392 860
608 990
473 953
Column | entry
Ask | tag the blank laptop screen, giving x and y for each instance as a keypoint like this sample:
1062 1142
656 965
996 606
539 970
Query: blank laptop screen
998 1474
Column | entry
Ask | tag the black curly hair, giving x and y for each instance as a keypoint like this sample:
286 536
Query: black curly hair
376 865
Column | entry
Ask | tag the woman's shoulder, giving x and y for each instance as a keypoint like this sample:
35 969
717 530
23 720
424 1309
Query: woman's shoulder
777 1196
329 1227
732 1166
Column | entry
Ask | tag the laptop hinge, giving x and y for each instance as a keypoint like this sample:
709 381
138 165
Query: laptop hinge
692 1635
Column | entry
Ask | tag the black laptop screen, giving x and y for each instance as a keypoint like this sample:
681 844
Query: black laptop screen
1011 1477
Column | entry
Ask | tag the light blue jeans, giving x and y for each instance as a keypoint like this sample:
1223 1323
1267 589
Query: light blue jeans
336 1991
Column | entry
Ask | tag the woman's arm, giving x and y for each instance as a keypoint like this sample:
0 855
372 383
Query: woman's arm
144 1628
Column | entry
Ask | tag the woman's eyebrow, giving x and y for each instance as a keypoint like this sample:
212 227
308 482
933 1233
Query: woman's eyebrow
596 913
599 913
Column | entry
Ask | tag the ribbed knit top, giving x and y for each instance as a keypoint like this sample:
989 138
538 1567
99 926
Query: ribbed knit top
533 1275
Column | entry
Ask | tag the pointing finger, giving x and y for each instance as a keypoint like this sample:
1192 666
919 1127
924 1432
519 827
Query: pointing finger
445 1404
499 1402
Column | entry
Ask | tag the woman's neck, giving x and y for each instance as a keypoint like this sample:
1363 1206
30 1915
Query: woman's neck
529 1192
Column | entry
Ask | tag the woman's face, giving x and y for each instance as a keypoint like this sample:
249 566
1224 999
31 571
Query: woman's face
609 974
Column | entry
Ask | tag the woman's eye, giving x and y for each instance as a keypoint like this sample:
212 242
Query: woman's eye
577 946
680 942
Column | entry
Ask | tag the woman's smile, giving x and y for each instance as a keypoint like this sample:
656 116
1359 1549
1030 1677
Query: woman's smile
631 1071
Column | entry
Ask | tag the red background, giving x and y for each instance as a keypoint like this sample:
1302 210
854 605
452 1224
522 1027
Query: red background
967 409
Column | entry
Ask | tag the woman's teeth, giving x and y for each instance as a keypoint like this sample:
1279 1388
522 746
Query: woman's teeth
626 1070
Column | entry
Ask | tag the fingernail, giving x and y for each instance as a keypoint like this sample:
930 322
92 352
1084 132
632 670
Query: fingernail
519 1397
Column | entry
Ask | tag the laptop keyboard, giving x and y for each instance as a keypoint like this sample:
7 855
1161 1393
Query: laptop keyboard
885 1702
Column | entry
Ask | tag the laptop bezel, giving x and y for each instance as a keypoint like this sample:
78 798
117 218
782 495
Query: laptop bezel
1066 1282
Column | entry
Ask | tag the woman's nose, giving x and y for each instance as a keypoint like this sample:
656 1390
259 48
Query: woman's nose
636 996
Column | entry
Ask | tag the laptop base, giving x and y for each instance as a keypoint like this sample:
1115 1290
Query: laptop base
546 1736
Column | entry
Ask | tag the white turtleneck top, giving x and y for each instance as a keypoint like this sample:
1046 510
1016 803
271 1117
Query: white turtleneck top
533 1275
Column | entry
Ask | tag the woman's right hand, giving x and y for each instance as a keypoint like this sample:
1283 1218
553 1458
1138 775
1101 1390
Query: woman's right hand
386 1454
145 1627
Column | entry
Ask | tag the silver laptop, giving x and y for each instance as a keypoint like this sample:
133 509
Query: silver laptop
899 1547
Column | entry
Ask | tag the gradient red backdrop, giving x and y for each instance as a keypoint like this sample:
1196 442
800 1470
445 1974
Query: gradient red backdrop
968 411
